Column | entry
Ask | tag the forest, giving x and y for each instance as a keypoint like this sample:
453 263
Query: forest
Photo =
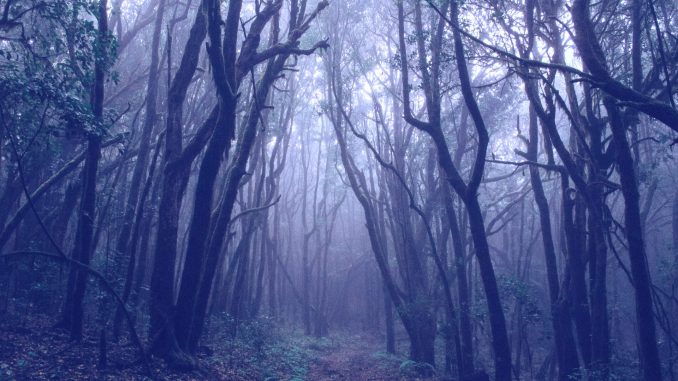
464 190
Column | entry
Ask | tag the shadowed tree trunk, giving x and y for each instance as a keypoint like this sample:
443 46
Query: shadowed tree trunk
675 221
468 192
574 204
224 72
276 57
465 328
72 314
642 283
161 332
566 351
415 315
594 58
388 322
123 245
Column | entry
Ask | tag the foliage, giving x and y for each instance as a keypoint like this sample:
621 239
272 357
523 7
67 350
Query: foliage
522 294
413 369
47 69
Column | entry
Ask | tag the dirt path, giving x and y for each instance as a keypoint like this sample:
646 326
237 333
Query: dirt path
354 359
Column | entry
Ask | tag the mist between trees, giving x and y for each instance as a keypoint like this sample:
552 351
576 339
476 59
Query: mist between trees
479 189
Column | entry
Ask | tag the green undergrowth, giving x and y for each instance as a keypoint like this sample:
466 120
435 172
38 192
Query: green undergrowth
263 350
387 360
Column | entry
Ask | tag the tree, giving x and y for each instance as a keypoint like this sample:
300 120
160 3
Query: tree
77 279
468 192
594 58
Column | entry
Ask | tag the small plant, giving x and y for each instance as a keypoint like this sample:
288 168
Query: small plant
414 369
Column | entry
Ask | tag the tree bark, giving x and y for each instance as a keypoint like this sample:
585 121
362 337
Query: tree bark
675 222
594 58
72 316
633 226
566 351
467 192
161 330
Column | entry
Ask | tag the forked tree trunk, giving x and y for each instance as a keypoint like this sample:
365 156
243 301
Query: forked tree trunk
467 192
161 330
594 58
223 69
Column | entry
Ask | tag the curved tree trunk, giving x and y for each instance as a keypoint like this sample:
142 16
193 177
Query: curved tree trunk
467 192
161 332
594 58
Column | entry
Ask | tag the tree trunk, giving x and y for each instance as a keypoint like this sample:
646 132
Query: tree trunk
388 322
123 244
566 351
594 58
221 221
649 355
223 69
134 243
462 284
161 330
72 318
467 192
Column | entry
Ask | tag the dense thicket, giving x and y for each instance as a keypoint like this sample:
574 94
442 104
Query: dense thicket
491 182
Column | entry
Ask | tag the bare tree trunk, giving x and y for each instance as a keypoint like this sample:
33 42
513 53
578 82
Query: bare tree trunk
462 283
574 208
650 362
221 221
276 61
467 192
223 69
72 317
417 320
134 242
566 351
594 58
123 244
500 342
388 322
675 222
161 330
68 205
305 265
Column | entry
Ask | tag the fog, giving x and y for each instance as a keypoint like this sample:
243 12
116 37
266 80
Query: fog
379 189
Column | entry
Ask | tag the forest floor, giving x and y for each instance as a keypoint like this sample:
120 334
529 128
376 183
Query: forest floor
356 358
30 349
